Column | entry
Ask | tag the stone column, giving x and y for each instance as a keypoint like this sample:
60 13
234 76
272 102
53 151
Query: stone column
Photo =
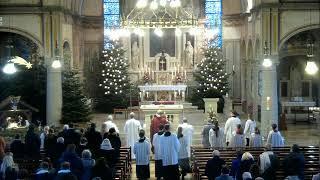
54 95
269 98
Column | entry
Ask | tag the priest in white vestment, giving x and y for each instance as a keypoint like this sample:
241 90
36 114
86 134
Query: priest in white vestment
216 136
274 137
230 126
249 128
131 130
110 124
187 131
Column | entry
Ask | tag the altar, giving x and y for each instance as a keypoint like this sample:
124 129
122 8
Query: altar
156 93
173 113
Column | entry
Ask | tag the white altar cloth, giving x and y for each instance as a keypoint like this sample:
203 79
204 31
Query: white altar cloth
163 88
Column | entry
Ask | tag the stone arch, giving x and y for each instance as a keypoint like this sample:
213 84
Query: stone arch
290 34
67 56
27 35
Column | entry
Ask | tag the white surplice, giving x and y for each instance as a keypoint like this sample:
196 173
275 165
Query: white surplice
249 128
110 124
230 127
131 129
187 131
216 141
275 139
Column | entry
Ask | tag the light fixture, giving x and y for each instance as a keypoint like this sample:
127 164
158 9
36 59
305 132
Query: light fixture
163 3
56 63
158 32
311 68
142 4
267 62
138 32
9 68
153 5
178 32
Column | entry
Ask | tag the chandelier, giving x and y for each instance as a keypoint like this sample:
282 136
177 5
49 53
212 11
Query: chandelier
160 14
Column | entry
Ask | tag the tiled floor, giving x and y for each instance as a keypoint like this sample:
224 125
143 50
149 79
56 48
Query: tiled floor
300 133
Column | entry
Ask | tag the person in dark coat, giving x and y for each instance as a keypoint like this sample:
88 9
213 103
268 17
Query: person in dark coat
224 174
32 143
94 138
72 136
87 163
50 143
17 147
65 173
214 166
102 170
235 165
83 146
115 141
72 157
246 162
294 163
64 131
58 150
107 152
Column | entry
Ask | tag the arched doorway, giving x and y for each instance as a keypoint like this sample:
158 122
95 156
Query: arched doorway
295 85
29 84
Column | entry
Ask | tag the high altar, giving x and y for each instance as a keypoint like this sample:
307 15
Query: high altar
161 66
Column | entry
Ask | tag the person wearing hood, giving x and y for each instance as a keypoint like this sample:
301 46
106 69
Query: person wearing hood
131 129
156 151
110 124
107 152
142 152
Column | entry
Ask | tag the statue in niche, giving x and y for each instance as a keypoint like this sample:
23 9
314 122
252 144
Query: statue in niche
162 62
135 58
295 77
188 54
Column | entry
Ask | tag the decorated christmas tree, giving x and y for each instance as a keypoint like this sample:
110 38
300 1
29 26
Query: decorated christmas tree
115 84
75 107
211 76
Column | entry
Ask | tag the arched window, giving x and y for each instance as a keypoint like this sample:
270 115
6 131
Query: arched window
111 18
213 12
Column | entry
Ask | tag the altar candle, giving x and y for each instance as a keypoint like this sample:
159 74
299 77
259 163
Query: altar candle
185 74
140 94
147 94
172 75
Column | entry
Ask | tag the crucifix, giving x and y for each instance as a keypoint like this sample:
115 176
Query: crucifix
162 62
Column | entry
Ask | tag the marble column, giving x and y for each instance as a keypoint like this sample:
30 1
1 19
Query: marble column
269 97
54 95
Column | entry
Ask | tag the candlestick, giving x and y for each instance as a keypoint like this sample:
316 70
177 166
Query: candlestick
185 74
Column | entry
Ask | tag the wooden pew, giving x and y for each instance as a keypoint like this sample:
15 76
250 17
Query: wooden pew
124 166
200 156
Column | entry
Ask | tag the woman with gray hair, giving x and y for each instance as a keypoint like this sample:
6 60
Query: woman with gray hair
87 163
214 165
8 169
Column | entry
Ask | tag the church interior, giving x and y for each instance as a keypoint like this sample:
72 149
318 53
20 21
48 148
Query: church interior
78 61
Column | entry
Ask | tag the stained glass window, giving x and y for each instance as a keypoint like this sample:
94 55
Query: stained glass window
111 17
213 12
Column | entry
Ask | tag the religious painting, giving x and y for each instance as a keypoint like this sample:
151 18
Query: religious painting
166 43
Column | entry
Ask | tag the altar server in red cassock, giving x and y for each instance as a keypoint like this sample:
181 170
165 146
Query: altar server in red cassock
158 119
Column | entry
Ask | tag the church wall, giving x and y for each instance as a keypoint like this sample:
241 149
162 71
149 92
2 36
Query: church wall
92 8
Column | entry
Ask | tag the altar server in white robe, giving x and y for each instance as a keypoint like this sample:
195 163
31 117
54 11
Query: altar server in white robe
256 139
169 149
110 124
238 139
216 136
249 128
131 129
187 131
230 126
274 137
